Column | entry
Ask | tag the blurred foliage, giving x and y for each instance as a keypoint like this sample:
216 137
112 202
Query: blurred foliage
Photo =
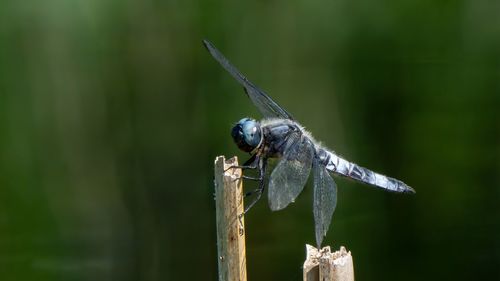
112 112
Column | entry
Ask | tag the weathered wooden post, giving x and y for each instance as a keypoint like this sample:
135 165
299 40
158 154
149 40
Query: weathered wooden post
230 229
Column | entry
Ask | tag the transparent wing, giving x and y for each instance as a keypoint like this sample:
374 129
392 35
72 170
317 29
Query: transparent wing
325 200
290 175
261 100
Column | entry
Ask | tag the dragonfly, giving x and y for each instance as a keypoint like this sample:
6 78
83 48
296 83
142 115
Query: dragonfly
278 135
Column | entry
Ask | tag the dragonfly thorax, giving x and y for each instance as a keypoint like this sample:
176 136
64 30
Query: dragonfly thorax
247 134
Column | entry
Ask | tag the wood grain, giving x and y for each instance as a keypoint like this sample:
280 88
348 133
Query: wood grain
230 229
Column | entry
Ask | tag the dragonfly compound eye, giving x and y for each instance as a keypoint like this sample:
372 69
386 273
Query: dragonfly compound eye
247 134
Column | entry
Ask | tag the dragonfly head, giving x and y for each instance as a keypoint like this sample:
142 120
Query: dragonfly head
247 134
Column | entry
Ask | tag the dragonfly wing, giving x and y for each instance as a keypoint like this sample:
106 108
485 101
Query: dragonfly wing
290 175
325 200
266 106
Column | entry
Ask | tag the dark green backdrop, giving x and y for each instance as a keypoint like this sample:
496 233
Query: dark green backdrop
112 112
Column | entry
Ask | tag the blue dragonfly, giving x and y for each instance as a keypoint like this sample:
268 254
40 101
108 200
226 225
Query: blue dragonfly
279 135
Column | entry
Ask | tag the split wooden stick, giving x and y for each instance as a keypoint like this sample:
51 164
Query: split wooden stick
327 266
230 228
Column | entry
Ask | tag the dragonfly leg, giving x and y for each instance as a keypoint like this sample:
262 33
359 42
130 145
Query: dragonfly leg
251 163
251 178
258 191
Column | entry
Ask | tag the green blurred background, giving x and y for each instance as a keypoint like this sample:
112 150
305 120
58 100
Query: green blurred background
112 112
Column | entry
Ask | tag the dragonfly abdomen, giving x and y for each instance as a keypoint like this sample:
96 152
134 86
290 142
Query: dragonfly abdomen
351 170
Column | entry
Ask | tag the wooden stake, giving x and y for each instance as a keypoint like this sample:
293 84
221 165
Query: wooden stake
230 229
327 266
